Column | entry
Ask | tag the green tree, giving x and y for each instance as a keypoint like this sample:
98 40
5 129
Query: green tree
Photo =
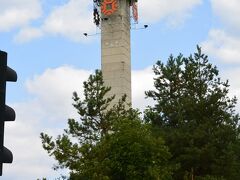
107 142
129 152
196 118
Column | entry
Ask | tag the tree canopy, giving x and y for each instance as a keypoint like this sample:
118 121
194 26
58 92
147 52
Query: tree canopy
107 142
196 117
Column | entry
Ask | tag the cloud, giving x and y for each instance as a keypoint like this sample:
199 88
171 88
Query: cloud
144 76
69 20
15 13
233 76
223 46
47 110
22 138
228 12
53 89
224 43
27 34
174 12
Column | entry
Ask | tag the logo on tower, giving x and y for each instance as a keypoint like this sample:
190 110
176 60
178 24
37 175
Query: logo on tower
109 7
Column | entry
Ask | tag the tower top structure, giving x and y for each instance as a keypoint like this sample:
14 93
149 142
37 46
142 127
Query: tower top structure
109 7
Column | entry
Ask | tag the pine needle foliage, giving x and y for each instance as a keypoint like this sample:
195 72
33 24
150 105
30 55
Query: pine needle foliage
195 115
107 142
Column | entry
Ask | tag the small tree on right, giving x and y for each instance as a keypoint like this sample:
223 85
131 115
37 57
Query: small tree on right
196 117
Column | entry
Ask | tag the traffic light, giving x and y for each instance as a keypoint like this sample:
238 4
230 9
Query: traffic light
6 112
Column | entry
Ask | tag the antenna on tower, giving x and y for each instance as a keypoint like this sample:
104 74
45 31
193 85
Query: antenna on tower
145 26
87 35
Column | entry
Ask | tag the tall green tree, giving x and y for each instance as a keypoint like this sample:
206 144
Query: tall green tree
107 142
196 117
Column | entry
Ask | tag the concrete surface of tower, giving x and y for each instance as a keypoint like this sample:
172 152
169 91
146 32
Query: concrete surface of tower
115 47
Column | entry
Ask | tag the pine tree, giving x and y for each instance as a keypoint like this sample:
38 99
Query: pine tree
107 142
196 117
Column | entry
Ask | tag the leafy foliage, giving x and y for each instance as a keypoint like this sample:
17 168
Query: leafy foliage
107 142
130 152
196 117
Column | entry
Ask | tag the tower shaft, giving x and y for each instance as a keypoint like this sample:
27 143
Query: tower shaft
116 51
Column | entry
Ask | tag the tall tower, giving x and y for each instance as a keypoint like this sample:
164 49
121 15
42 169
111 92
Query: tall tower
115 47
114 23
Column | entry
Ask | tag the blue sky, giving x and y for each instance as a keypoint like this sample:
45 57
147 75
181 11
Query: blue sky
45 44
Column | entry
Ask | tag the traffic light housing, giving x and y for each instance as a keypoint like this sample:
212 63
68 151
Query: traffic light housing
6 112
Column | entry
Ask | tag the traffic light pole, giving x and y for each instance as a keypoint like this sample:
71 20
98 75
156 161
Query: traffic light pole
6 112
3 67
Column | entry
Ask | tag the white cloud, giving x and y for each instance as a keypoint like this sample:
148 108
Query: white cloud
174 11
228 11
22 138
233 76
53 89
47 111
27 34
144 76
69 20
223 46
15 13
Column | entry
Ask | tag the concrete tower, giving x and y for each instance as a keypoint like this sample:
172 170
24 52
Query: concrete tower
115 47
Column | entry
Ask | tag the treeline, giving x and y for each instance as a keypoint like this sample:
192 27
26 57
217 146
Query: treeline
191 133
